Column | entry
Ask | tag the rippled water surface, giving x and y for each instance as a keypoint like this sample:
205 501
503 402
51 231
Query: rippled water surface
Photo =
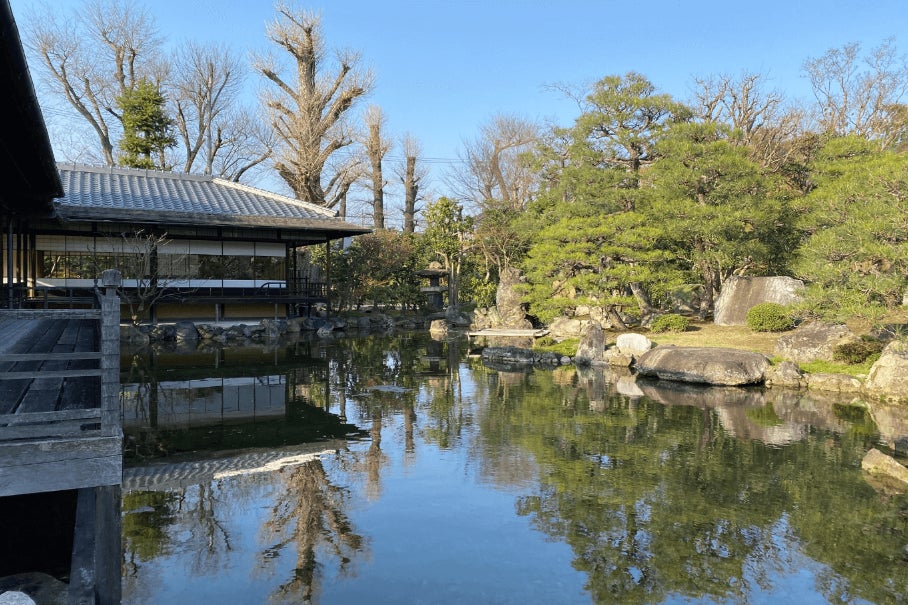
398 470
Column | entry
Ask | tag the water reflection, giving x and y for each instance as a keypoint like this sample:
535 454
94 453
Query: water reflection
478 484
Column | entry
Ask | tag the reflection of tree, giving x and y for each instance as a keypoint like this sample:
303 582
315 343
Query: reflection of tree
309 514
661 500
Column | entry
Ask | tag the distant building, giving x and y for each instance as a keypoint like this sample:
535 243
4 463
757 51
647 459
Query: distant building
211 248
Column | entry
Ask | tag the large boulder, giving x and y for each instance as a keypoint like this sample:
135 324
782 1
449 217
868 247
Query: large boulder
592 344
707 365
739 294
508 301
889 375
786 374
815 341
565 327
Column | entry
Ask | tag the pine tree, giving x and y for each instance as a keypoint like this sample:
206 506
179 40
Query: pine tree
147 129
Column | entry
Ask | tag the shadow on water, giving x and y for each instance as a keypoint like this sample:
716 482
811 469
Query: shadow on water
393 469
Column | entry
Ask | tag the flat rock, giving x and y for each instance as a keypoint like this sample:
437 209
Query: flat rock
706 365
840 383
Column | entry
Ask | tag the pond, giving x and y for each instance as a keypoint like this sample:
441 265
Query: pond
396 469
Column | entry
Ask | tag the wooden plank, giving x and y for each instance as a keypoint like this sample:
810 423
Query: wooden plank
50 313
77 355
54 465
50 374
81 414
52 430
41 399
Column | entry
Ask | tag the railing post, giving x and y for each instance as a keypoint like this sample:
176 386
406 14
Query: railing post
110 353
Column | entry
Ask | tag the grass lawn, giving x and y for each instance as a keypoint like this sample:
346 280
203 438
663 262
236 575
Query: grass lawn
710 335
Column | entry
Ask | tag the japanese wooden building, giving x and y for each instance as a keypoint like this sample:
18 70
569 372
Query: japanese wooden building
194 246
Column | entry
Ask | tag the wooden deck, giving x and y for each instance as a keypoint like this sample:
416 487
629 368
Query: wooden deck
60 431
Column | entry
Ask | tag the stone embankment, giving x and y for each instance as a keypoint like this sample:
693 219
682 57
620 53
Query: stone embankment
262 331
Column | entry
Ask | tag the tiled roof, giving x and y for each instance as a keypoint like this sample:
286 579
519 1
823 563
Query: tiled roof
126 194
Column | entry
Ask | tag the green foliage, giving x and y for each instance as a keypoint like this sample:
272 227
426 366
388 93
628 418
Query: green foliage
378 268
670 322
769 317
855 231
832 367
147 129
445 238
547 344
858 351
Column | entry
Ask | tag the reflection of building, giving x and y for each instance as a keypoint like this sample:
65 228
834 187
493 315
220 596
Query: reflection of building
224 248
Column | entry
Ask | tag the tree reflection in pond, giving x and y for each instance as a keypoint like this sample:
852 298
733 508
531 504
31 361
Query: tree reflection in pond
309 514
478 484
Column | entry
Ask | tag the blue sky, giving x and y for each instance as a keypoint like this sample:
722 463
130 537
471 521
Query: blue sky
443 68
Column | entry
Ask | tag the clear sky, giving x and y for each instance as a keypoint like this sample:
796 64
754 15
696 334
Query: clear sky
443 68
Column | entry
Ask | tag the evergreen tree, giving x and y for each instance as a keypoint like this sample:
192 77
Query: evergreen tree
147 129
855 224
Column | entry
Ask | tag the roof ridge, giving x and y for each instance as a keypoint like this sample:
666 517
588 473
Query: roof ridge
126 171
276 196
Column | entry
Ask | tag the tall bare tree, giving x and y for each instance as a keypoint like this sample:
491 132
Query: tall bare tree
377 146
94 55
309 111
411 174
241 141
856 94
205 85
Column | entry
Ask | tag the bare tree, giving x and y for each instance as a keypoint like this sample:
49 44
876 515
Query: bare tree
494 166
766 125
206 82
92 56
308 114
240 142
377 146
855 94
411 174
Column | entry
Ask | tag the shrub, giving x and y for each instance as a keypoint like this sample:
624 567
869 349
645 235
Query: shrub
769 317
858 351
670 322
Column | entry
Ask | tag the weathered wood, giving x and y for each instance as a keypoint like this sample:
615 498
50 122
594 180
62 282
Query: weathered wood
87 355
81 414
50 314
96 559
58 464
49 374
58 429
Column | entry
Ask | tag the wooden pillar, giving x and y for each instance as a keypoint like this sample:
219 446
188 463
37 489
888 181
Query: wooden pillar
9 264
110 353
328 277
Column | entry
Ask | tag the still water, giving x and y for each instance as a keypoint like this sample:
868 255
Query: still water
399 470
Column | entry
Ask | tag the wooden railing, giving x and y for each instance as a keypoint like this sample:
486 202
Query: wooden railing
98 413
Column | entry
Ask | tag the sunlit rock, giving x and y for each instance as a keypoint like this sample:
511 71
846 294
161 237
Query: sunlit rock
889 375
812 342
840 383
707 365
592 344
786 374
633 344
740 294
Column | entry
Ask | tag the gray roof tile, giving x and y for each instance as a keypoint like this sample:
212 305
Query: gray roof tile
110 193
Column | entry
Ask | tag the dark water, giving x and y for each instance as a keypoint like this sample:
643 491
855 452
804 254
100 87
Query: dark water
396 470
